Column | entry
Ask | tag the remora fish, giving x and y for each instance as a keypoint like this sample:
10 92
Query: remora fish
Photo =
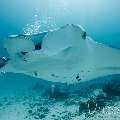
62 55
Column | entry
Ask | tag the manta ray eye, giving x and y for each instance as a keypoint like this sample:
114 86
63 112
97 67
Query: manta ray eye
24 53
84 35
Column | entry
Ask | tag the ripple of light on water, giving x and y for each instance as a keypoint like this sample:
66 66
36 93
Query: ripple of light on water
39 24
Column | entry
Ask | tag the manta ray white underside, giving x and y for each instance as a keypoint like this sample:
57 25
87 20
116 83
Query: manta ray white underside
62 55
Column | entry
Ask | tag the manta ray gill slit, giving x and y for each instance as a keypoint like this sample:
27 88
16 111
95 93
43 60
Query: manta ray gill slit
24 53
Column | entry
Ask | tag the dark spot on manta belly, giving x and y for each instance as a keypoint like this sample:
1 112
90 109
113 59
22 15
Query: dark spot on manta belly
77 77
25 60
53 75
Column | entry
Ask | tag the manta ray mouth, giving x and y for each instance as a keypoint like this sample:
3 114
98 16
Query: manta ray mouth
38 46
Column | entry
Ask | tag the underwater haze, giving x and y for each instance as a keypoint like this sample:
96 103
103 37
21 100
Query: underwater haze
100 18
52 63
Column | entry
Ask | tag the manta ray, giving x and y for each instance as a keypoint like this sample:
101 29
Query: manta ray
63 55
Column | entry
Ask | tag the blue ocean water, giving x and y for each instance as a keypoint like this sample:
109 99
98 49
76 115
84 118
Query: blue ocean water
100 18
27 98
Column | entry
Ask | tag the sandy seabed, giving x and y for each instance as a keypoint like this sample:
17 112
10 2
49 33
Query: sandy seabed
21 99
